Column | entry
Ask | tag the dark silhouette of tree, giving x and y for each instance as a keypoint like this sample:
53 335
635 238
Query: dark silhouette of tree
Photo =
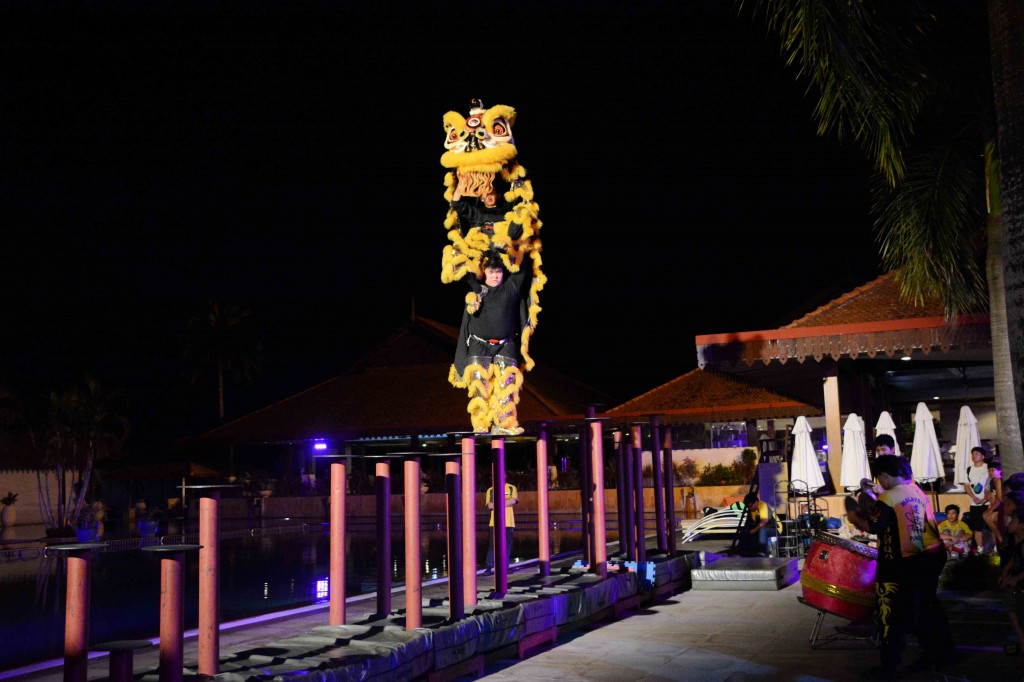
222 340
70 430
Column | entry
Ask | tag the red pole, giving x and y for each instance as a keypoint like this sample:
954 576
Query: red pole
172 612
469 520
337 569
501 548
383 486
413 577
453 491
209 583
172 619
543 529
76 614
600 563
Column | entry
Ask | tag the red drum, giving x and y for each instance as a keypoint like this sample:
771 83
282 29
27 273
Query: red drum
839 576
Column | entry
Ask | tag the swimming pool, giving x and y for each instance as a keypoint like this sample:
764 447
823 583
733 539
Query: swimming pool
278 568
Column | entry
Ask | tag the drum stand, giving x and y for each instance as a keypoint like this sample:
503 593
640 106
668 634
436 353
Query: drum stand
843 633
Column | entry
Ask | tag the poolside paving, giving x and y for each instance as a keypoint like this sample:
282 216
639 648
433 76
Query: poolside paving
706 635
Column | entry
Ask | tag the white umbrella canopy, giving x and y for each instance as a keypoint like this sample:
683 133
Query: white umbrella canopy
804 472
887 425
926 457
855 454
967 437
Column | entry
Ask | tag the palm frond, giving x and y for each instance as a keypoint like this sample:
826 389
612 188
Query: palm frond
927 227
865 62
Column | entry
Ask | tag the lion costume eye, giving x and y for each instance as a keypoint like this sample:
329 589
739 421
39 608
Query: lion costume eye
453 135
500 129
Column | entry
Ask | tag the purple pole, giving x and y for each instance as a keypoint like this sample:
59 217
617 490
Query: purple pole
659 493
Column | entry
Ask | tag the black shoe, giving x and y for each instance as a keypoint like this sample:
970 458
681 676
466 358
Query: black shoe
879 673
488 571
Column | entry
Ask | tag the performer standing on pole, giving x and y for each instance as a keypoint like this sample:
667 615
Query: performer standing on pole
495 250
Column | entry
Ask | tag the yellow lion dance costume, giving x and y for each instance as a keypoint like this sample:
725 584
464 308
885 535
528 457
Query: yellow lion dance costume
492 221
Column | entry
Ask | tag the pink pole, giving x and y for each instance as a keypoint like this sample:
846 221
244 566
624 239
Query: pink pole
413 577
501 549
172 612
209 583
453 494
469 521
76 615
337 569
600 565
543 529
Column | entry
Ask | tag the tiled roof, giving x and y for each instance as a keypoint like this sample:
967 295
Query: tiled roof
869 321
704 396
399 388
877 300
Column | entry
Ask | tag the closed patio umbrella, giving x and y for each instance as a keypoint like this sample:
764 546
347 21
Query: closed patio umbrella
855 454
804 473
925 458
886 425
967 437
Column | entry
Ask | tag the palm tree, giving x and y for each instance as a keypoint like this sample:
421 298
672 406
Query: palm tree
1006 44
222 339
74 428
912 84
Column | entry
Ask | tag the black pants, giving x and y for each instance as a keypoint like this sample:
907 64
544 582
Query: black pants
908 601
508 546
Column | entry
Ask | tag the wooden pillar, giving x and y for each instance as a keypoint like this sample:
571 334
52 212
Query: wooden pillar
453 494
337 564
76 608
833 428
413 570
670 495
382 488
586 527
209 582
659 493
620 490
627 543
638 492
469 520
543 524
501 549
172 610
599 564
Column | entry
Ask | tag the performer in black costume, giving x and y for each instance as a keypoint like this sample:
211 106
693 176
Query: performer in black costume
488 344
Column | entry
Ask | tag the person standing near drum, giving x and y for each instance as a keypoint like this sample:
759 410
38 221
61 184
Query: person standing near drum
910 558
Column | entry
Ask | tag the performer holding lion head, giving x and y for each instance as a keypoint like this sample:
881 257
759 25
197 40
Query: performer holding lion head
494 247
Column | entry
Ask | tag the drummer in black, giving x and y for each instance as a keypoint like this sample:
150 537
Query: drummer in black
910 558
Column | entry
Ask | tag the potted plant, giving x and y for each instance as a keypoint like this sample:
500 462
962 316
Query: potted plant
7 514
88 529
148 520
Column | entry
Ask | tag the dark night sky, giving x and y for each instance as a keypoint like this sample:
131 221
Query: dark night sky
286 156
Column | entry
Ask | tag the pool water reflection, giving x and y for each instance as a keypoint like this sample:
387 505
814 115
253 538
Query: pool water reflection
258 575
